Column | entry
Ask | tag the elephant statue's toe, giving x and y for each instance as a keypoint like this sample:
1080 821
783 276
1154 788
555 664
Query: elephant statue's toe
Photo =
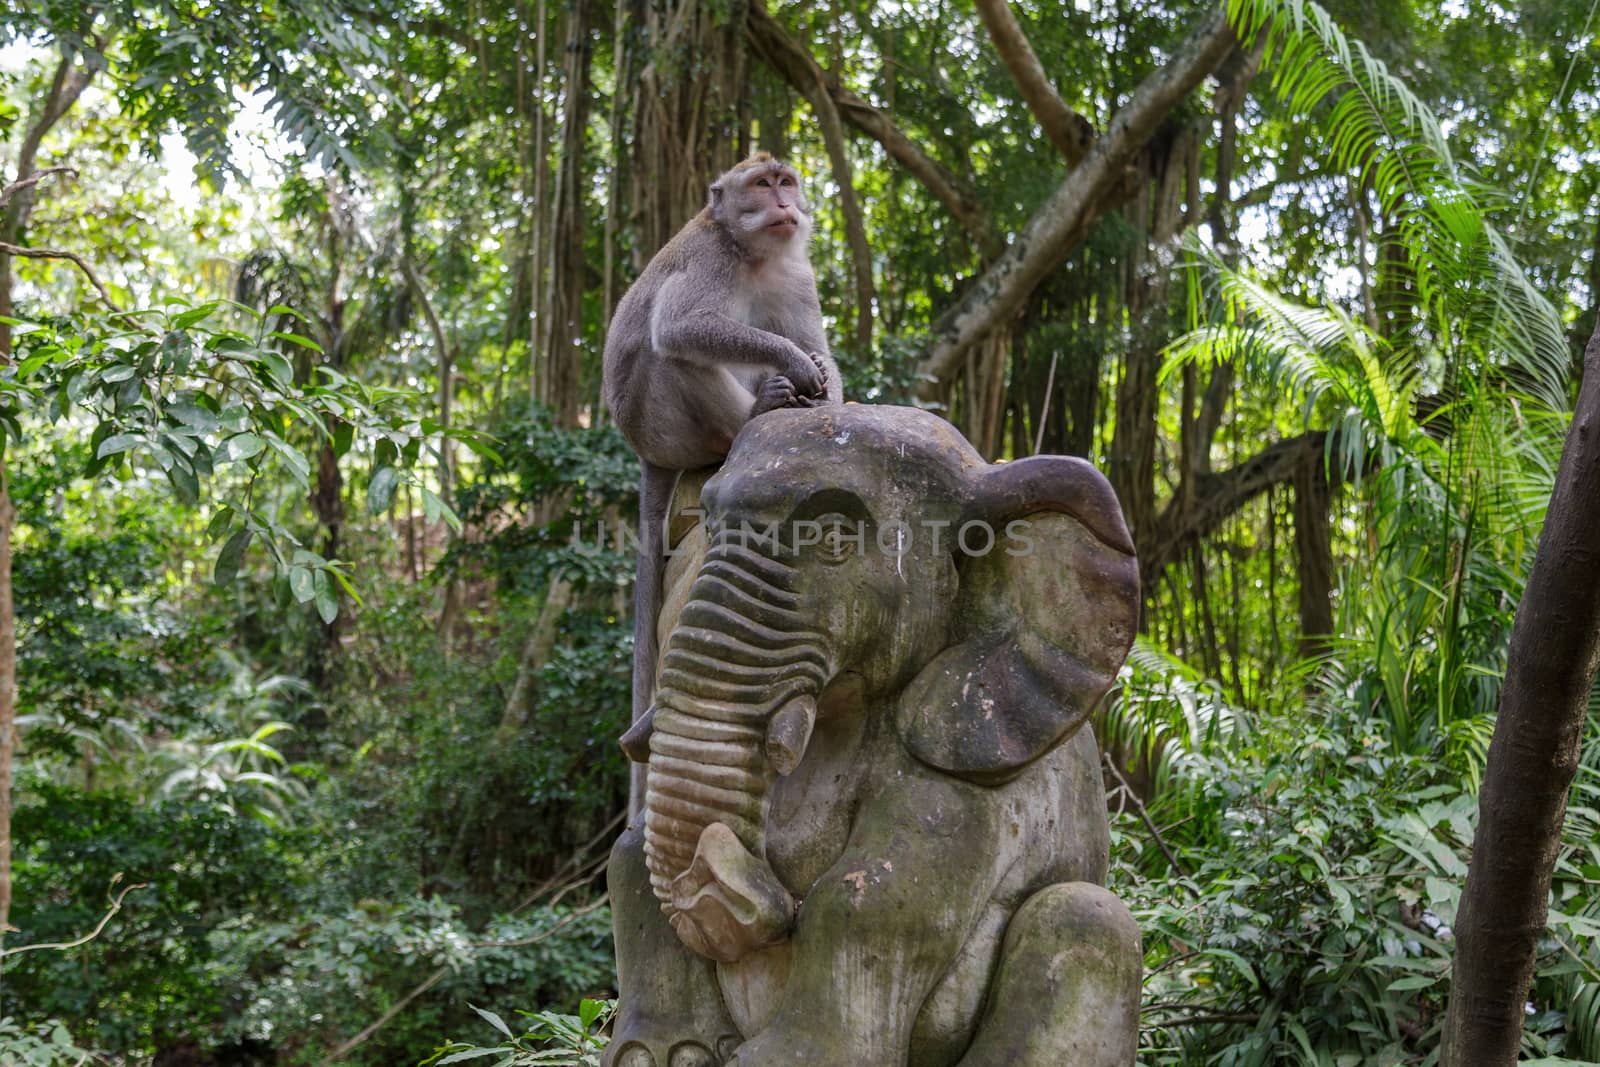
691 1054
636 1056
683 1054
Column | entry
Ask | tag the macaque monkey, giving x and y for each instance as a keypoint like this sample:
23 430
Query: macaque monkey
723 325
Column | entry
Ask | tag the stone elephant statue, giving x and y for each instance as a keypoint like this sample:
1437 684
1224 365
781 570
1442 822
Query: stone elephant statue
874 827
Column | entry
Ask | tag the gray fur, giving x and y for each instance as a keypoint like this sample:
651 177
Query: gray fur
723 325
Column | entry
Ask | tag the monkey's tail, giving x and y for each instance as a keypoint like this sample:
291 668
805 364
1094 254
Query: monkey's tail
656 485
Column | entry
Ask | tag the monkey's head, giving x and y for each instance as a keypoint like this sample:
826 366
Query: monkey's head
760 205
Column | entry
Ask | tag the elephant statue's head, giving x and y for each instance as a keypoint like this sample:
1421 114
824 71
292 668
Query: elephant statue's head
869 550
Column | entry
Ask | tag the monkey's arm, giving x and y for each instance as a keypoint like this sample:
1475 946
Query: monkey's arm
817 346
689 328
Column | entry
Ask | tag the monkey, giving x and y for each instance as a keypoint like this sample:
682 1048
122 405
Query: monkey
723 325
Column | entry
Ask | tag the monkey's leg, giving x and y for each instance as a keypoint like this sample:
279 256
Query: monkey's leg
655 496
773 393
1067 987
671 1012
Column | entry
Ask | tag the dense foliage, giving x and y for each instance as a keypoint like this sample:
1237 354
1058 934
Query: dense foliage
319 541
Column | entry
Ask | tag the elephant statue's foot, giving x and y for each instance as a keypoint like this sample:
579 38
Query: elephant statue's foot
635 1053
1066 990
671 1013
789 1049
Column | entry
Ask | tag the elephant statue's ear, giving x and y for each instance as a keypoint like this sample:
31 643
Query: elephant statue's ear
1045 617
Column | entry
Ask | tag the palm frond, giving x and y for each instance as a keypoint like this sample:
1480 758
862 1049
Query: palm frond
1477 305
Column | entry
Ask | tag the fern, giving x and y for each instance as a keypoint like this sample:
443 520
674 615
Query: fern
1169 722
1476 303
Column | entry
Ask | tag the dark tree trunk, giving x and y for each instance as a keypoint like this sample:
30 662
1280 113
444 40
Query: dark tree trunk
1555 647
687 127
8 692
563 304
1313 545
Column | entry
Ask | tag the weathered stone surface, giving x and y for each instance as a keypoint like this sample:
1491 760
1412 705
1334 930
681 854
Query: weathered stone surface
874 827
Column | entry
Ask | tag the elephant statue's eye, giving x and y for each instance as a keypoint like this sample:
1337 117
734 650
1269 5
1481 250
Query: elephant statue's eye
841 537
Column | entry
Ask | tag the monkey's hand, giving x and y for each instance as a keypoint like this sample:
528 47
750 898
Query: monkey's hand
773 393
821 392
803 370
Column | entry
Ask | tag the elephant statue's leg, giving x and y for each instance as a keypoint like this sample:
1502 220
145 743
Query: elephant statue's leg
671 1012
878 931
1066 991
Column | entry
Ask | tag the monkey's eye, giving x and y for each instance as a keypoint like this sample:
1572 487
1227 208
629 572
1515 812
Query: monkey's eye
764 183
841 537
785 181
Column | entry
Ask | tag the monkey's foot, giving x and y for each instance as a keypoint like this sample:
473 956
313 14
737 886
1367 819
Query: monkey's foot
774 393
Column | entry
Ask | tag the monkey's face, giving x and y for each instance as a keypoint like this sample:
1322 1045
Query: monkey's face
761 204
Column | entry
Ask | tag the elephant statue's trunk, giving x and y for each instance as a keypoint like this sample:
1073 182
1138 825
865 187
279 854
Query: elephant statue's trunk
734 709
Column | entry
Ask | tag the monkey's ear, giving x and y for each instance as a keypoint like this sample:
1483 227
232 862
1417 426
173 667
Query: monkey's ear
717 192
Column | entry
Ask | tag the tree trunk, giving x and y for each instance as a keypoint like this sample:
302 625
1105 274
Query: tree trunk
536 369
8 692
686 127
855 228
793 61
1313 544
66 85
562 310
1550 669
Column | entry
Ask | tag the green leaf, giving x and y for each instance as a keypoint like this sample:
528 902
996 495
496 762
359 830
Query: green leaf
184 482
231 556
1416 981
291 455
191 414
470 1054
296 339
278 368
301 584
229 342
479 444
327 600
344 583
220 523
344 435
434 509
117 443
493 1020
589 1011
243 446
198 314
118 372
380 491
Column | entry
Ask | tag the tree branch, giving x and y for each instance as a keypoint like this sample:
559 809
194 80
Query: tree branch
1144 816
55 253
31 180
1217 496
855 228
793 62
1070 132
116 906
1047 238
